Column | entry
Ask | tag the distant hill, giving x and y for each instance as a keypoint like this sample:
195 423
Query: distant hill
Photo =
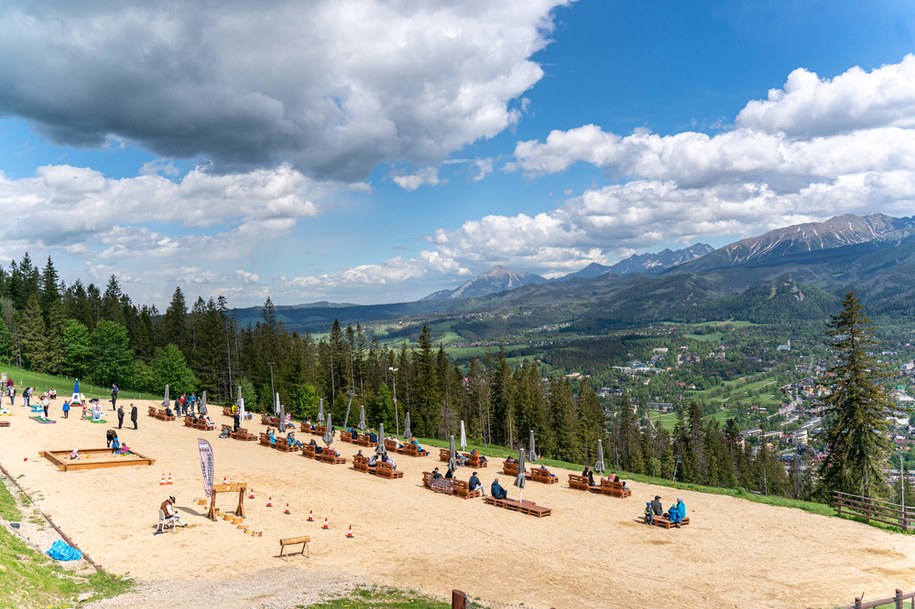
643 263
495 280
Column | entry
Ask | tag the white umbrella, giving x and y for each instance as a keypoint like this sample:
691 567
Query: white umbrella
532 454
241 410
165 400
463 436
276 404
452 456
380 449
362 417
202 408
321 409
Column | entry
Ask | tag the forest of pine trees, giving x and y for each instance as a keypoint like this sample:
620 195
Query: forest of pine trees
101 335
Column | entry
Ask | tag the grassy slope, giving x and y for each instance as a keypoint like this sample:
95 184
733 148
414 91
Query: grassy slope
382 598
43 382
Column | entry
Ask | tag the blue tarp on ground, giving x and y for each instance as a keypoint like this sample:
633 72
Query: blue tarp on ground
60 550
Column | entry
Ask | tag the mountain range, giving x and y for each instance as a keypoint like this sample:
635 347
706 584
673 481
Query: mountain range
791 273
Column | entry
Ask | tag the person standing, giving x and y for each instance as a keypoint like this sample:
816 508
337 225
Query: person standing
45 404
120 417
66 409
133 415
114 395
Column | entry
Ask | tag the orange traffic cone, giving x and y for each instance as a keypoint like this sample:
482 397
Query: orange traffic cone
224 480
269 501
162 480
169 478
349 533
286 511
251 494
325 525
311 518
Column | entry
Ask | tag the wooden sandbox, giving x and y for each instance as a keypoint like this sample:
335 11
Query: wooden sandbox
94 458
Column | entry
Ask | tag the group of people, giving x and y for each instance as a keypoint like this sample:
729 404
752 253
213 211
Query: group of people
589 474
675 514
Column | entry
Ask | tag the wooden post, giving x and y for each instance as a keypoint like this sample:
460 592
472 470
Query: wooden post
857 602
458 600
240 510
898 599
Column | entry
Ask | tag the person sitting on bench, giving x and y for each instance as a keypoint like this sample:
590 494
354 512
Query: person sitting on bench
373 437
677 513
271 436
314 446
449 474
435 474
168 411
588 474
416 444
656 506
474 484
290 438
497 491
373 460
390 460
614 478
476 453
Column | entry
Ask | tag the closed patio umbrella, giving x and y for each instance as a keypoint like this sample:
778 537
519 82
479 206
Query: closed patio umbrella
281 425
520 478
463 437
239 398
165 400
452 456
241 411
362 417
532 453
321 409
328 431
407 432
202 408
380 450
276 404
599 467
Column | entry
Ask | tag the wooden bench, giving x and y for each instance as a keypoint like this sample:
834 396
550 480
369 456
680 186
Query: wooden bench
328 456
385 470
202 425
152 411
265 440
308 451
476 461
511 469
283 445
292 541
444 455
4 423
391 445
320 429
462 489
365 440
162 416
541 474
188 421
244 435
579 482
525 507
346 436
227 411
614 489
361 463
661 521
412 450
270 421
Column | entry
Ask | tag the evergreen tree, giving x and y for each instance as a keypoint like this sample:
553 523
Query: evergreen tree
170 368
856 434
77 349
50 288
33 335
174 324
111 302
112 359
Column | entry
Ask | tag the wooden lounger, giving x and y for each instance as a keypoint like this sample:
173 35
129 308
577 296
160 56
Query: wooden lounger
385 470
391 445
538 474
361 463
308 451
365 440
462 489
283 445
661 521
152 411
346 436
412 450
581 483
292 541
188 421
525 507
328 456
244 435
614 489
265 440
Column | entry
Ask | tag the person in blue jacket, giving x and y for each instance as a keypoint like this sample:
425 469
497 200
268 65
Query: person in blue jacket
677 512
497 491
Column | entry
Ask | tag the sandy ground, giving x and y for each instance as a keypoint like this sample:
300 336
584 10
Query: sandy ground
590 553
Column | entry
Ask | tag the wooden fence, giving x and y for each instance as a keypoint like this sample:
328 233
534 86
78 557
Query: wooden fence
875 510
898 601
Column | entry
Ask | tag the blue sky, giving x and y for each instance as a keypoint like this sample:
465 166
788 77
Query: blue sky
367 151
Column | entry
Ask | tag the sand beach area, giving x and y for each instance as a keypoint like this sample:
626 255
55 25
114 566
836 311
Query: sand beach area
591 552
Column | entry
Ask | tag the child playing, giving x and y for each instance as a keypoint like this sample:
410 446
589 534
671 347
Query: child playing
649 515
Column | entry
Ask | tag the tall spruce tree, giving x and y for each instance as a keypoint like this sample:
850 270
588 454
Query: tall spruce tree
857 440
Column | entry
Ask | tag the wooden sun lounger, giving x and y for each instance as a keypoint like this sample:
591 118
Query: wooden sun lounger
525 507
476 461
188 421
581 483
160 414
227 411
661 521
365 440
391 445
306 428
328 456
202 425
539 474
462 489
152 411
511 469
361 463
412 450
264 440
385 470
244 435
614 489
346 436
283 445
308 451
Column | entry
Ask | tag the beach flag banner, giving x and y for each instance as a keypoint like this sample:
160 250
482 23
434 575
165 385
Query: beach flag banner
207 465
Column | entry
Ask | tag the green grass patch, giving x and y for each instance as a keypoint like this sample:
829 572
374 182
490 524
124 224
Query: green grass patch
9 509
378 597
43 382
29 580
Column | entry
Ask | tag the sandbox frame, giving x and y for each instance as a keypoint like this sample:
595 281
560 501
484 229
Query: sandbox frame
61 458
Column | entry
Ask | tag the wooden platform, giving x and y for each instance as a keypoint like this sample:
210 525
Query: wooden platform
525 507
661 521
94 458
